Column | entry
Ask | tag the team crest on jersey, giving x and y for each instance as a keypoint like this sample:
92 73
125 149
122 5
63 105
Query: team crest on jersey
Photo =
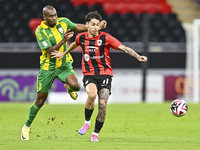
99 42
86 57
44 43
60 29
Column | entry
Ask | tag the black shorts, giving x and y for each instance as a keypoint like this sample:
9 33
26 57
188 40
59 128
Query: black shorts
101 81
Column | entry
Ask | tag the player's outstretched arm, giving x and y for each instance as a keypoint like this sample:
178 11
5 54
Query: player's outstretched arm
132 53
66 37
60 55
82 27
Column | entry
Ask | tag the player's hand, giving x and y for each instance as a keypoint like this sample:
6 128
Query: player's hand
68 34
102 24
57 54
142 58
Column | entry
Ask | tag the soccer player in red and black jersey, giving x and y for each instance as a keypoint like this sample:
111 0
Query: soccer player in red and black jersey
96 68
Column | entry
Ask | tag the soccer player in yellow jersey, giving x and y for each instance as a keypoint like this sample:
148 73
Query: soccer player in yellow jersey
53 34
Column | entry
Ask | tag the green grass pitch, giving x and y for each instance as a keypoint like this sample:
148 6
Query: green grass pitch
127 127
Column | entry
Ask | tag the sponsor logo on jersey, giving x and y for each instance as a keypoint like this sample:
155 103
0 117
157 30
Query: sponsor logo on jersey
96 57
87 57
44 43
91 48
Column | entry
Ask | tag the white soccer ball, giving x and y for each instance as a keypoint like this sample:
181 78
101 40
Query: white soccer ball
178 107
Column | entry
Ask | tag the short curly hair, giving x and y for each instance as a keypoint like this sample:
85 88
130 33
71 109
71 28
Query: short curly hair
93 15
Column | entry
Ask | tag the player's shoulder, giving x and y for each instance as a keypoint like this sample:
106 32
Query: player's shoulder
104 33
62 19
39 29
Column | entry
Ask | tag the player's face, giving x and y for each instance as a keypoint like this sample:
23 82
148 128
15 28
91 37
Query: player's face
93 27
51 17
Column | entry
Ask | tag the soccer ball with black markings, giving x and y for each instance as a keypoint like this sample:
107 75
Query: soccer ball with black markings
178 107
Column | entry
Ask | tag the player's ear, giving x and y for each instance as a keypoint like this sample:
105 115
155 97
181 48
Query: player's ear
44 17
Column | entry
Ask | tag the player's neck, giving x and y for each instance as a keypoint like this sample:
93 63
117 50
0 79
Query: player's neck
49 25
92 36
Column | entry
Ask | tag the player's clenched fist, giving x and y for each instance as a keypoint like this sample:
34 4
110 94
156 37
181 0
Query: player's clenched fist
68 34
142 58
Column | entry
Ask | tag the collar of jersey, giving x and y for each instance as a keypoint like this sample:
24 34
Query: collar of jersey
45 26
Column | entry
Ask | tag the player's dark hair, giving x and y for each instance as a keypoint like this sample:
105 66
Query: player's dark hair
93 15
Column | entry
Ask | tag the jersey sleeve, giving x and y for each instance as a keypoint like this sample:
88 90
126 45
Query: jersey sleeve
114 43
70 24
42 40
77 40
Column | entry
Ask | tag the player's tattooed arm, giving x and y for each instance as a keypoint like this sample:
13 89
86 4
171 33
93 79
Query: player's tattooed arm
129 51
132 53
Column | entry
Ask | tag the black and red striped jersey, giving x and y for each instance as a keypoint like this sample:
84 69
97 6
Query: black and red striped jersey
95 53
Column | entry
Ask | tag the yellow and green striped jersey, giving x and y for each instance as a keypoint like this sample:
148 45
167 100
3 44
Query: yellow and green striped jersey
47 37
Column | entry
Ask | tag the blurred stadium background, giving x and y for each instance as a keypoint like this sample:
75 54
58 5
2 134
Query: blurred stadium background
150 27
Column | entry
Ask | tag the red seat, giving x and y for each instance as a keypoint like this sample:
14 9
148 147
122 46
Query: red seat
77 2
144 1
93 2
136 8
33 24
114 1
102 2
88 2
152 1
164 8
85 2
159 1
109 8
151 8
130 1
123 8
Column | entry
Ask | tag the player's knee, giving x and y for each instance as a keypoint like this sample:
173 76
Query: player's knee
75 86
39 102
41 98
92 96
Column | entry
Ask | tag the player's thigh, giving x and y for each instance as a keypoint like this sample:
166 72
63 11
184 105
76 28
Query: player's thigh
91 89
104 94
64 73
45 80
90 84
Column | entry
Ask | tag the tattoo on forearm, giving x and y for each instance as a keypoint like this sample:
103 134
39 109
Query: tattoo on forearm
130 51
